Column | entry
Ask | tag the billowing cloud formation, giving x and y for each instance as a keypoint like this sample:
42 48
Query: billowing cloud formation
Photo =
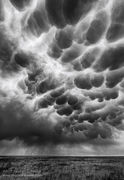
61 72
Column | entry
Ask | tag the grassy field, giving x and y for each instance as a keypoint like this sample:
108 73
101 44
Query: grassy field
62 168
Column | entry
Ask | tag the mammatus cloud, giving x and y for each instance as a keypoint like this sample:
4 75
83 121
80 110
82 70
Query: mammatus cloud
61 76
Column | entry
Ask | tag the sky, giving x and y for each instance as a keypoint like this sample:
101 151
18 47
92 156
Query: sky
62 77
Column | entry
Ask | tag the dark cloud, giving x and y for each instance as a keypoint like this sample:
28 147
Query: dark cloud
1 11
20 4
72 100
83 82
97 28
110 94
46 85
19 122
77 65
92 131
61 82
91 117
37 128
117 12
54 50
73 10
111 58
114 77
67 12
64 38
65 110
61 99
57 92
89 57
115 32
97 80
21 59
37 23
6 47
55 12
71 54
104 94
14 120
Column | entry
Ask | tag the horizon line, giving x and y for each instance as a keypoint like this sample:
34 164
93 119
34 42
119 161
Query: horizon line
61 156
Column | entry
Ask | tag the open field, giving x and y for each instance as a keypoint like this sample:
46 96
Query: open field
62 168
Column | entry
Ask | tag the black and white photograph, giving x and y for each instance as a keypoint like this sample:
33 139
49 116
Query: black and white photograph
61 89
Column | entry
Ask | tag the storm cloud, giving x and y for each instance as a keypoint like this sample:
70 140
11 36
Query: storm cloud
61 74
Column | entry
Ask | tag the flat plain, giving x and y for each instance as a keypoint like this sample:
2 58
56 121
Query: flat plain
61 168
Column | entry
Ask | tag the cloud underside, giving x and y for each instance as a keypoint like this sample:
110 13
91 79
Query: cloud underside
61 75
